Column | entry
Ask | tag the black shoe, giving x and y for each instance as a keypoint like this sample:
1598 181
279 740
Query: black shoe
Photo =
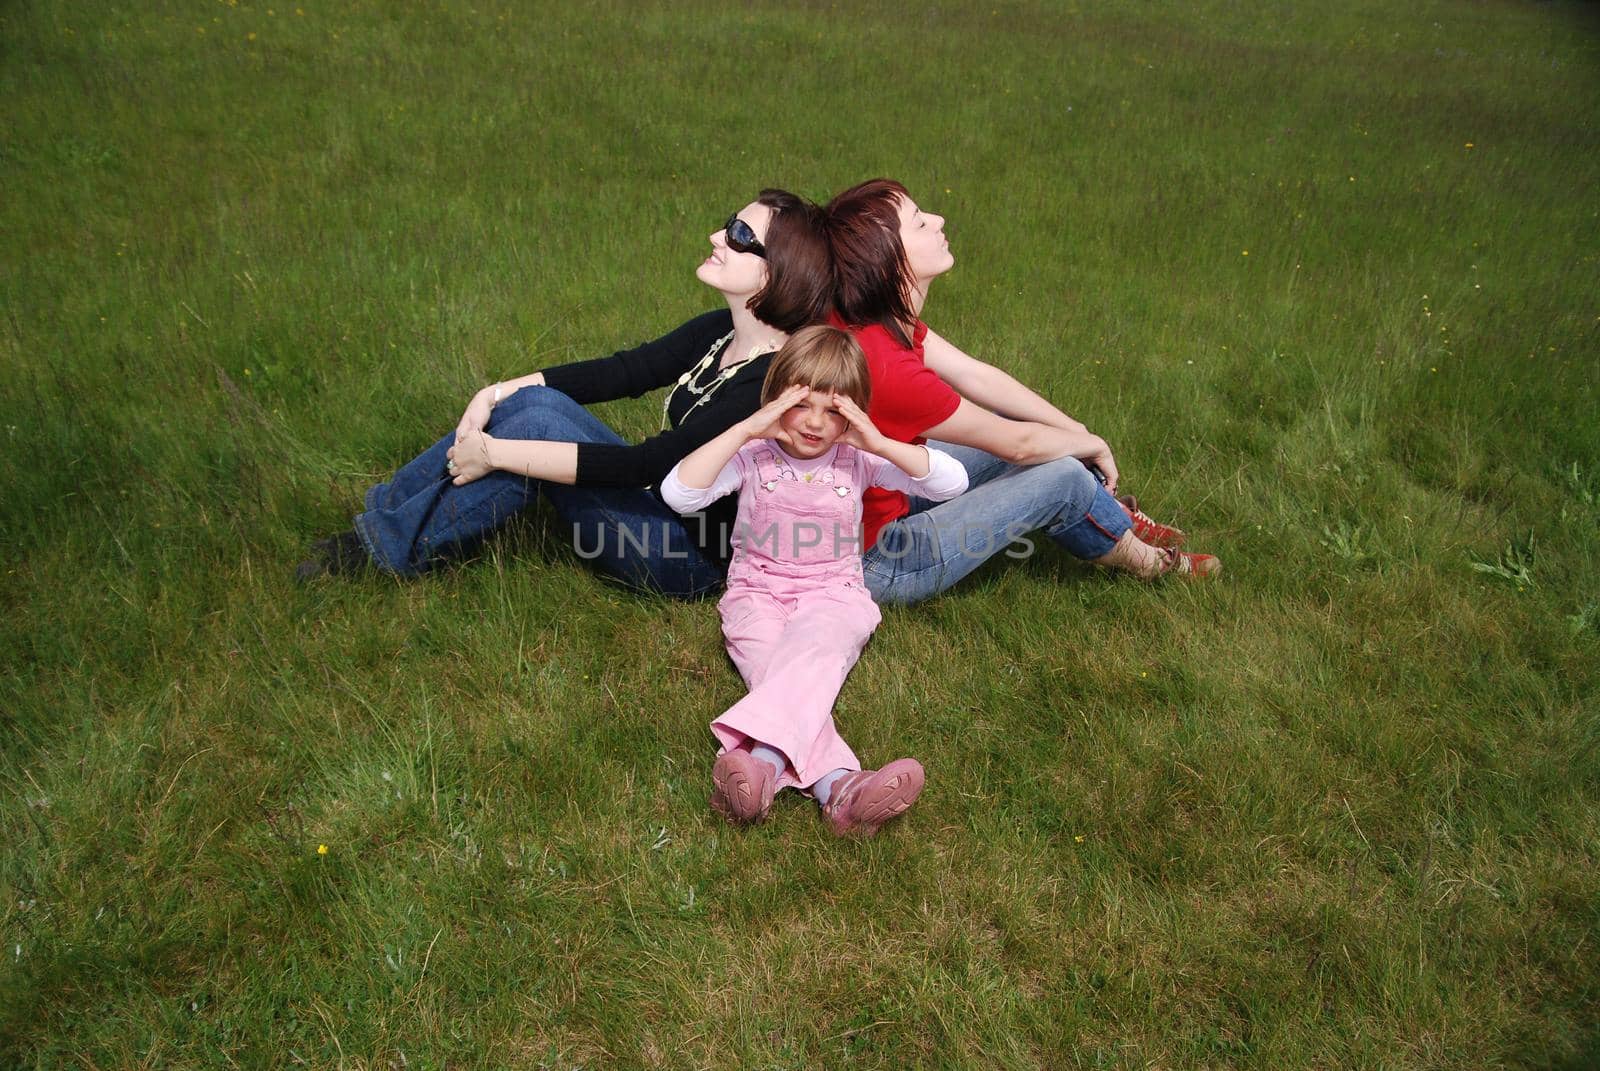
339 555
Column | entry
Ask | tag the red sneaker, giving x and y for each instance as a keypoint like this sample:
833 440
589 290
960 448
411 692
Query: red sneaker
1148 529
1177 562
742 787
864 800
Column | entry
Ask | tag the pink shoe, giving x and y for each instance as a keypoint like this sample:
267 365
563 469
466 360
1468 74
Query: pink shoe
1148 529
862 801
742 787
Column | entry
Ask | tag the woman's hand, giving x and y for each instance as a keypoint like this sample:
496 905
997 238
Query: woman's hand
476 418
764 423
469 457
862 433
1101 459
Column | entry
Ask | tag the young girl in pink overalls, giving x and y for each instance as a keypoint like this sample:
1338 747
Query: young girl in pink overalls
797 614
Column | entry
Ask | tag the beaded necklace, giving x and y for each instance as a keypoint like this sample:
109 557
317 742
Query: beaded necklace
705 393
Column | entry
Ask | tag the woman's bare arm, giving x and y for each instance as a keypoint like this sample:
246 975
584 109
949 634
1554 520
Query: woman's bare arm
992 388
1023 442
477 454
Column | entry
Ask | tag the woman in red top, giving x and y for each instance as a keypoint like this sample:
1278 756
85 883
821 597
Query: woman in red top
1030 465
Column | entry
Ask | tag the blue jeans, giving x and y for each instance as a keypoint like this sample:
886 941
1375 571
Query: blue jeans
938 543
420 517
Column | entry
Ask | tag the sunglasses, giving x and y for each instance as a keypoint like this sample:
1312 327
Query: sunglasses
742 238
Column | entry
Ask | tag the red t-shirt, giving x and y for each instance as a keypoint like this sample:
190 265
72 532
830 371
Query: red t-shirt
908 398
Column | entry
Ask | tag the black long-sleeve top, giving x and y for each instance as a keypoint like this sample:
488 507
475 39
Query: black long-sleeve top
635 372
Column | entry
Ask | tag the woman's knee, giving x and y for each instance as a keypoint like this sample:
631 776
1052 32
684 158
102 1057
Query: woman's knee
1072 482
537 413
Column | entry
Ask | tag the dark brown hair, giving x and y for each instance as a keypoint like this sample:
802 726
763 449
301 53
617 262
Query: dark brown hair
871 276
799 274
822 358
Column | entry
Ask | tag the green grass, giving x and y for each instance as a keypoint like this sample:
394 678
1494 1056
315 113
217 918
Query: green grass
1340 810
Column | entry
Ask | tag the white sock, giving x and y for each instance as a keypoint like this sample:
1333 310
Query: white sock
772 757
822 790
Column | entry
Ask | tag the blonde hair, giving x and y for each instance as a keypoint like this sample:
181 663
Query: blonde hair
822 358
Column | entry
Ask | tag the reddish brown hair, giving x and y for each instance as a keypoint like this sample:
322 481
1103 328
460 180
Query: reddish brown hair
799 271
871 276
822 358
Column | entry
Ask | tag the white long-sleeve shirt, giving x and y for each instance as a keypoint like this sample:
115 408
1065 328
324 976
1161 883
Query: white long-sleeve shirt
945 479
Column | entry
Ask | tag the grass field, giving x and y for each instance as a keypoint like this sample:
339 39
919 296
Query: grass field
1325 276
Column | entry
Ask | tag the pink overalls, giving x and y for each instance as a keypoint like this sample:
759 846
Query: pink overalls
797 613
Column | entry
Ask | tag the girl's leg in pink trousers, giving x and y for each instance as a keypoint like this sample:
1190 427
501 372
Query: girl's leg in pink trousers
795 653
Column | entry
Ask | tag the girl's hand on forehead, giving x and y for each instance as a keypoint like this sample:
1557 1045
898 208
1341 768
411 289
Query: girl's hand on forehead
862 432
763 423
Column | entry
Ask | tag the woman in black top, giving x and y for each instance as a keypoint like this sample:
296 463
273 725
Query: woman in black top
527 436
